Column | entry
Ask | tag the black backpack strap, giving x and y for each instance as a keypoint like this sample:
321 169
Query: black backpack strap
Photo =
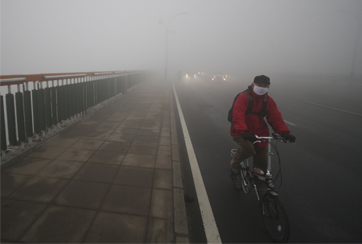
262 111
251 102
265 103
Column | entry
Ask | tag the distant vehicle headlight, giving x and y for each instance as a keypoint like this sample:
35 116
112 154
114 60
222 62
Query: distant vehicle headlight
187 75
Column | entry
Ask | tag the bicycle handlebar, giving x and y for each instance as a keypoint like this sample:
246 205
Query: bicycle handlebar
275 136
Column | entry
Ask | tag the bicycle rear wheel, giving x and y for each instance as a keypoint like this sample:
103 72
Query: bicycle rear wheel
245 183
274 218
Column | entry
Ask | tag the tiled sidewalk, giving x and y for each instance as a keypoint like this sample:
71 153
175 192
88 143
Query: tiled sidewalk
113 177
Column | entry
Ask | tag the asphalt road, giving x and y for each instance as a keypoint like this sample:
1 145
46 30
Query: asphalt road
321 189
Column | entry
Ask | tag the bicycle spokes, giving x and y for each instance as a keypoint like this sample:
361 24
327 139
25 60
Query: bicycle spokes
274 218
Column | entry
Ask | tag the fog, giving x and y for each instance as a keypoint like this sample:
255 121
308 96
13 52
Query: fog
233 36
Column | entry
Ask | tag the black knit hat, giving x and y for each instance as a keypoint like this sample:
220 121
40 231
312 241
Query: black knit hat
262 79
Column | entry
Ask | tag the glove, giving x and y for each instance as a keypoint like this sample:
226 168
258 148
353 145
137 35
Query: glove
249 137
289 137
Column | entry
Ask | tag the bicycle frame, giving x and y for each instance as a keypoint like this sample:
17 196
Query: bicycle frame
268 175
269 138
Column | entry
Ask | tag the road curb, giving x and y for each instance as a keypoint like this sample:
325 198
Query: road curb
180 219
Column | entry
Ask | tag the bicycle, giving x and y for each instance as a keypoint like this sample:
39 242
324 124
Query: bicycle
274 216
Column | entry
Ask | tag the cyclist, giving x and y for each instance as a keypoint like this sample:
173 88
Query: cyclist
246 124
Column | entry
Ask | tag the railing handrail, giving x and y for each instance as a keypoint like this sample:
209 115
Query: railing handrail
48 77
6 80
9 81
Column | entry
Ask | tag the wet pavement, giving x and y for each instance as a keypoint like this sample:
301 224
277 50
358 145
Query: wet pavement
112 177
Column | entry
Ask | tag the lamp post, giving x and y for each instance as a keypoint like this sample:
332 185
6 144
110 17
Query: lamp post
356 46
355 53
167 32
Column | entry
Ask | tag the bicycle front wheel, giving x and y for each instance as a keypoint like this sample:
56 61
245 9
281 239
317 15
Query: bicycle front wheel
274 218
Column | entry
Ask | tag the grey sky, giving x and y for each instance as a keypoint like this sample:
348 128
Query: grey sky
236 36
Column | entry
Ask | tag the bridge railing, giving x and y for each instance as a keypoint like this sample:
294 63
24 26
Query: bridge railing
36 104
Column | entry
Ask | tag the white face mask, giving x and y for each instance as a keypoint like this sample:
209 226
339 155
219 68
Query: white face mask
260 90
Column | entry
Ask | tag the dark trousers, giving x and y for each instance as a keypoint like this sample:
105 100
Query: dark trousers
246 150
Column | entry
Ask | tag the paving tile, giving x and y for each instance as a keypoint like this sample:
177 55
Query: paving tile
162 204
177 175
78 130
107 126
134 176
151 125
157 231
164 150
61 225
11 182
136 116
126 131
175 153
82 194
58 141
182 239
119 118
121 138
88 122
165 140
17 216
165 132
39 189
46 151
97 172
138 148
105 157
131 124
147 161
85 125
163 179
61 169
146 139
87 144
163 162
154 114
117 228
166 120
80 155
97 135
128 200
113 146
179 217
27 165
151 121
148 132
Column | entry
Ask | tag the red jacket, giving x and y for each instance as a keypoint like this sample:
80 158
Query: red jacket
250 122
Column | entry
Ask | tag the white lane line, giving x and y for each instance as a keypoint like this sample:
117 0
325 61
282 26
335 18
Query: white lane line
340 110
290 123
211 230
